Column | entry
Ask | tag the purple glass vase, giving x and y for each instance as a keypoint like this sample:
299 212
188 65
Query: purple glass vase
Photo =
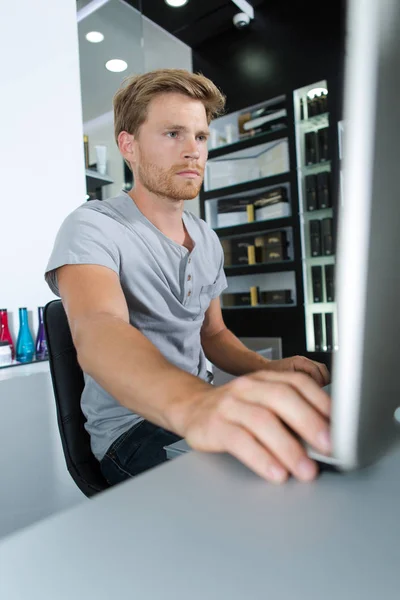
41 343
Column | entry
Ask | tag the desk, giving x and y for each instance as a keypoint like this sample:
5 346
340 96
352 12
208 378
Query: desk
203 527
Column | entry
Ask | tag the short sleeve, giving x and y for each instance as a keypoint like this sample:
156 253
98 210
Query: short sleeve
84 238
220 283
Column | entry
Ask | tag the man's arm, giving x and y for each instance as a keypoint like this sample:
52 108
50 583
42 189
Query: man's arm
245 417
227 352
118 356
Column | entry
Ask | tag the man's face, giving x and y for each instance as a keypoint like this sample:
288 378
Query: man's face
171 148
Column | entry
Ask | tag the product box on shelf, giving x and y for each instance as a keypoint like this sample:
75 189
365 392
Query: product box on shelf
315 237
276 297
324 190
236 299
271 247
233 211
316 277
330 283
262 118
238 251
318 333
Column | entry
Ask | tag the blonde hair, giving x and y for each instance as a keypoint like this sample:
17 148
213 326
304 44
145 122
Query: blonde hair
132 99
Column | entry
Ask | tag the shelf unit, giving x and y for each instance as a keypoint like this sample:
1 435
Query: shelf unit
94 180
318 338
228 180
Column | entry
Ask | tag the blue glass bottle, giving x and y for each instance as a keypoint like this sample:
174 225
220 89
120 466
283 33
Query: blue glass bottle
25 343
41 344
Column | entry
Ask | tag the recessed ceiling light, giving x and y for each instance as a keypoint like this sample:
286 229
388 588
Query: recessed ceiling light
95 37
116 65
176 3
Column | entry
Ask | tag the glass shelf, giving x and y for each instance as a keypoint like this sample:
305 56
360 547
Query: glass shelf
20 364
250 140
315 122
292 305
316 168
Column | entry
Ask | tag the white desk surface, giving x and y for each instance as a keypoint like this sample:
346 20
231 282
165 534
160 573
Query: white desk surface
203 527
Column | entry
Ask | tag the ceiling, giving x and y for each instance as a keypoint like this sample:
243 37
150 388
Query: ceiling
200 20
294 23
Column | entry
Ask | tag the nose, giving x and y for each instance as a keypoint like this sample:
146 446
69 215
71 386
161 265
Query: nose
191 149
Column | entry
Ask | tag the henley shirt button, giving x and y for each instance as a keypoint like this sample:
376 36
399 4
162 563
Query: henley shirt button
189 293
189 277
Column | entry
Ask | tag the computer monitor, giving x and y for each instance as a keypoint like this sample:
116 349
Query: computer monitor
366 368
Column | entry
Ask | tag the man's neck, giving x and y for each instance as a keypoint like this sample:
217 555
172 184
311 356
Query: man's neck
164 213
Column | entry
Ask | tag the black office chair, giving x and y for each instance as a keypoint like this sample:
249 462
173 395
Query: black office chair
68 384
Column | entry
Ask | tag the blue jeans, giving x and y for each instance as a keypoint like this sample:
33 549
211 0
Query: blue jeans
138 449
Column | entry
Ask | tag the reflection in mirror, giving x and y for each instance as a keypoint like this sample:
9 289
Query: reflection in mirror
119 31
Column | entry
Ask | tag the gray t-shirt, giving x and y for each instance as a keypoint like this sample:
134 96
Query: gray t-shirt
167 290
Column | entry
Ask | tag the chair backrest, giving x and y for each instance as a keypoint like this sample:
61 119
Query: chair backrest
68 384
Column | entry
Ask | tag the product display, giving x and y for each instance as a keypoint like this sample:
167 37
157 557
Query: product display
316 105
254 295
5 354
323 153
86 150
330 283
101 159
260 116
311 148
311 192
318 335
233 211
316 275
329 331
41 344
276 297
25 345
323 187
271 247
315 237
236 299
237 251
5 335
327 236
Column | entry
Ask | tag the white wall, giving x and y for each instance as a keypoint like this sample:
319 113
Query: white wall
34 480
41 143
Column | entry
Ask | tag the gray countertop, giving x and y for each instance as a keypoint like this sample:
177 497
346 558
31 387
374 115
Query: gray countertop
203 527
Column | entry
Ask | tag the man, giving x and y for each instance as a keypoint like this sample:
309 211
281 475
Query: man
140 280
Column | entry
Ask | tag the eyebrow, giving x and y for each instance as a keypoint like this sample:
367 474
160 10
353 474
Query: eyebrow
183 128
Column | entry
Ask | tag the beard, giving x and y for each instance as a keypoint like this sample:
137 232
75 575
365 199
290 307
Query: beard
165 183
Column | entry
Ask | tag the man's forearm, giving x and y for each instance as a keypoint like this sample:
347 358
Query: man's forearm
130 368
228 353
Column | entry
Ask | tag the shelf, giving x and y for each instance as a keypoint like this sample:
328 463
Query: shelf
320 213
255 184
320 260
277 307
20 364
249 142
316 168
95 180
316 121
254 227
285 265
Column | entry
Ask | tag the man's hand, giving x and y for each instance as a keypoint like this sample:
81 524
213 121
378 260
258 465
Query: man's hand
257 419
316 370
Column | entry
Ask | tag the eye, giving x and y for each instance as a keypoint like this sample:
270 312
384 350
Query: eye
172 134
202 138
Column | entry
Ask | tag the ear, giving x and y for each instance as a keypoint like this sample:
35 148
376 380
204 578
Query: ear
126 146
